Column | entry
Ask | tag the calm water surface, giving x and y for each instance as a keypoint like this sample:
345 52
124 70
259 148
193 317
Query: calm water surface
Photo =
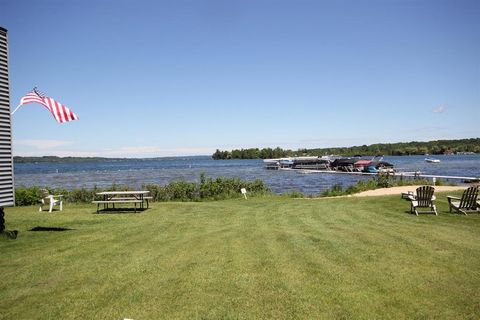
137 172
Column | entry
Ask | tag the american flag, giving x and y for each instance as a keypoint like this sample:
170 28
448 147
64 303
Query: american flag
60 112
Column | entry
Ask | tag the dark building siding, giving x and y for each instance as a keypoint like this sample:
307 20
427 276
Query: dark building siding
7 193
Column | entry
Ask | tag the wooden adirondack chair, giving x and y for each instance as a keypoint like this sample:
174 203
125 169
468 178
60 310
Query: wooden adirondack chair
50 201
423 198
467 203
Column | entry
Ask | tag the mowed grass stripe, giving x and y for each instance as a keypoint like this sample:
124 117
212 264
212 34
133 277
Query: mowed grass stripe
236 259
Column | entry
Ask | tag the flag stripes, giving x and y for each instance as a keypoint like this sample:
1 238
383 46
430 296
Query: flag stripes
60 112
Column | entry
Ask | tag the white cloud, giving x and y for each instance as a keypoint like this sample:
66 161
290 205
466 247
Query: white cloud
42 144
439 109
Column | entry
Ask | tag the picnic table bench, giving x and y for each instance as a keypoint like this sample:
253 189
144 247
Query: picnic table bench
122 197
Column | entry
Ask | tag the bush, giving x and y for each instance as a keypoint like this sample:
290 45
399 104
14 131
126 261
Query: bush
183 191
210 189
79 195
384 180
207 189
27 196
336 190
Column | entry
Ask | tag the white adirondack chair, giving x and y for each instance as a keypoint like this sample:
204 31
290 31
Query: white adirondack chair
50 201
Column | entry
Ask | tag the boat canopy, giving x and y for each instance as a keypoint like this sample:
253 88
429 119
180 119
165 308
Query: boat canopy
362 163
344 162
309 160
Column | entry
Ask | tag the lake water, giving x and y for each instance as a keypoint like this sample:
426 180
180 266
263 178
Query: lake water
136 172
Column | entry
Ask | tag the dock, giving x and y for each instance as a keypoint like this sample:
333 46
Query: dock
396 174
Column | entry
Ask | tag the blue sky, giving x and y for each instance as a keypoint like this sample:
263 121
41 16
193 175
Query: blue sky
162 78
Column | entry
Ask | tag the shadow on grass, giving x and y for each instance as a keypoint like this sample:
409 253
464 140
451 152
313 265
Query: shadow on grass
120 210
50 229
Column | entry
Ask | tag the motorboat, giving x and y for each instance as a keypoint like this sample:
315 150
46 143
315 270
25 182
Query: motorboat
432 160
324 163
272 164
311 163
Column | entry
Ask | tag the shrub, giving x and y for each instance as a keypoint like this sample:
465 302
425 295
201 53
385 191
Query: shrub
207 189
336 190
211 189
183 191
80 195
27 196
384 180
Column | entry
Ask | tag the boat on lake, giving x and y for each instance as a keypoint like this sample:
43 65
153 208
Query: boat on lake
432 160
374 165
325 163
272 164
304 163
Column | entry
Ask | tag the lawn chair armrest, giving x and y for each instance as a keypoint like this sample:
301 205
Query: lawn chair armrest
450 198
408 195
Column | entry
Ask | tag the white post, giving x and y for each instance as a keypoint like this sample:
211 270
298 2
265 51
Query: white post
16 109
434 180
244 192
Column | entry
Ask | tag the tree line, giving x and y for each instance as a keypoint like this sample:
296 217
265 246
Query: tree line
387 149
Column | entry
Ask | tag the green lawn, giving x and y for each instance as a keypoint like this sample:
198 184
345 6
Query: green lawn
265 258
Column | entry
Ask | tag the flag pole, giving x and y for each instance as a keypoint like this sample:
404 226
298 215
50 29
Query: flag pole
16 108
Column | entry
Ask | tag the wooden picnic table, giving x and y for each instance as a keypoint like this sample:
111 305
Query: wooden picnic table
116 197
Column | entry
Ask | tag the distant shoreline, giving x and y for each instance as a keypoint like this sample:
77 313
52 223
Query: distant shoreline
436 147
55 159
